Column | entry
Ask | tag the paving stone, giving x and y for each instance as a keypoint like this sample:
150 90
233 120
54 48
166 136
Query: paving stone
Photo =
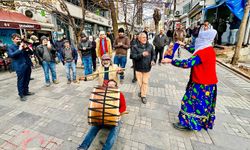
58 129
25 119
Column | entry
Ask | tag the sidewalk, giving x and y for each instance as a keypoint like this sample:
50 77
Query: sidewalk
224 57
56 117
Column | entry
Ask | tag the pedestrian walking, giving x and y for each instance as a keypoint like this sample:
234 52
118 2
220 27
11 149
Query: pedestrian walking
179 35
21 63
85 48
103 46
93 52
170 34
222 27
69 57
111 37
59 45
160 41
144 56
234 28
133 43
47 54
121 46
198 103
146 30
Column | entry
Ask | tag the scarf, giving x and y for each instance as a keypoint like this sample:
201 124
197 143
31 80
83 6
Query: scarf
205 39
105 46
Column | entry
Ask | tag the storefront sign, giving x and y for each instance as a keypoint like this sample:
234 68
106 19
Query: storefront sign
14 25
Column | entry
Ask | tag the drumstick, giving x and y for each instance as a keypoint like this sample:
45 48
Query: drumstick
103 72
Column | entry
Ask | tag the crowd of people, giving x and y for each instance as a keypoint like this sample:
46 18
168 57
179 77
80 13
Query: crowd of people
198 103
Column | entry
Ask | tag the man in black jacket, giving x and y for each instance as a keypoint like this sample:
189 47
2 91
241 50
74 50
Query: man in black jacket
144 56
47 55
160 41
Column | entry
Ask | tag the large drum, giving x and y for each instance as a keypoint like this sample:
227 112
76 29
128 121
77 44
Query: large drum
104 106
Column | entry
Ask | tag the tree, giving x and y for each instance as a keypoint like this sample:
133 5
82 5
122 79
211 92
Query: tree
60 10
110 4
133 10
65 16
242 34
157 18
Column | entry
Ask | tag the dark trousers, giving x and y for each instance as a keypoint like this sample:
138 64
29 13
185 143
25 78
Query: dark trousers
158 51
134 69
94 63
23 80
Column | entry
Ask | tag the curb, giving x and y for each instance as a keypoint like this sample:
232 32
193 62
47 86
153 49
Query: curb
233 69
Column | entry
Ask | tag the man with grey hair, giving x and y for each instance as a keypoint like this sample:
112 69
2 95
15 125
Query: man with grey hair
103 45
144 55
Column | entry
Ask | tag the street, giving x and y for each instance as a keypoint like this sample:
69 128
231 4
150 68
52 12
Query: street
56 116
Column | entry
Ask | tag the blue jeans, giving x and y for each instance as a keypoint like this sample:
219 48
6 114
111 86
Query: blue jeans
49 66
87 62
113 133
233 36
121 62
68 66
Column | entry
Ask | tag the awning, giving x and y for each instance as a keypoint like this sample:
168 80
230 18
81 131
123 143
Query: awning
235 6
14 20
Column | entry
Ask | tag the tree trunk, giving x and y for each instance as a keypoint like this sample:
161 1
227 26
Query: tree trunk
113 17
242 34
156 28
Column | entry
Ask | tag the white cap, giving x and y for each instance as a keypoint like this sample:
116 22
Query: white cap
102 32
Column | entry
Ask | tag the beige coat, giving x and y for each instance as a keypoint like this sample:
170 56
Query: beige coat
98 51
100 74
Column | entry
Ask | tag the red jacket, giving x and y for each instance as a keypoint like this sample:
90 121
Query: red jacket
122 103
205 73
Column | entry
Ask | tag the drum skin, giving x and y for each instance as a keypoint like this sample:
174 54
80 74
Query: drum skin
104 106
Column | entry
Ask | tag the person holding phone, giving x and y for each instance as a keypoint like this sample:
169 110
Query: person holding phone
21 63
47 54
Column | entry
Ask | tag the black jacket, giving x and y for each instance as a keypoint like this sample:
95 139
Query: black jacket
143 64
87 44
40 51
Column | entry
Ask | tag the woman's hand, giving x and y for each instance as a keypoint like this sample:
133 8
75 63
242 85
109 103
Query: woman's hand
166 60
181 43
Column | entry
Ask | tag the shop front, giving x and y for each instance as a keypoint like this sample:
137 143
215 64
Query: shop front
12 22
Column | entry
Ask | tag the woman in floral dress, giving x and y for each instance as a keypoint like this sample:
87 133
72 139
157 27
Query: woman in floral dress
198 103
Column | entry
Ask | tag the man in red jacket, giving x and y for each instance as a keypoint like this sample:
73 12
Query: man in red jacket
114 130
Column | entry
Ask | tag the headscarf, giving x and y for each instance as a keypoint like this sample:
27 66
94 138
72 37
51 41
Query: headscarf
205 38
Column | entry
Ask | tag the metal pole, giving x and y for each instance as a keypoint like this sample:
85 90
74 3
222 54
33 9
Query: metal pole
174 13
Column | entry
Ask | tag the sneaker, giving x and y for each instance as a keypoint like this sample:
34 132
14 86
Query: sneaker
47 84
178 126
134 80
69 81
74 81
144 100
55 82
23 98
29 94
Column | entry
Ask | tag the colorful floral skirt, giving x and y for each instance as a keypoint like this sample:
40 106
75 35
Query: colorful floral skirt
198 106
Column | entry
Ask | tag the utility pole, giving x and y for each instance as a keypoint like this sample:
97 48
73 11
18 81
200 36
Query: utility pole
174 13
242 34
